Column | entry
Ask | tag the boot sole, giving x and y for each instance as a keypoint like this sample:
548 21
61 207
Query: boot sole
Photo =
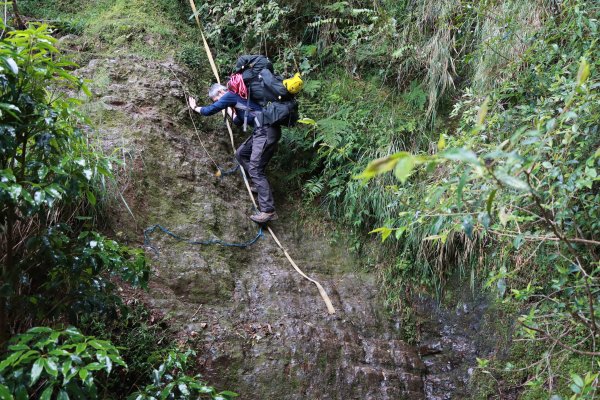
264 222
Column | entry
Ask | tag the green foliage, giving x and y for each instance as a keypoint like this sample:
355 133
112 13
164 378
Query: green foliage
147 29
519 185
56 364
244 26
354 123
65 364
50 182
171 382
144 340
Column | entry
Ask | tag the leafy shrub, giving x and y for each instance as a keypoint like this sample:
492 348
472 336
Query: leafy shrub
246 26
171 381
66 364
56 364
50 182
144 342
521 195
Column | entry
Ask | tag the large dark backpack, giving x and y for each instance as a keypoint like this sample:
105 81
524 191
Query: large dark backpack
267 89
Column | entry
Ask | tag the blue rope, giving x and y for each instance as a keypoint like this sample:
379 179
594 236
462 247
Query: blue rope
151 230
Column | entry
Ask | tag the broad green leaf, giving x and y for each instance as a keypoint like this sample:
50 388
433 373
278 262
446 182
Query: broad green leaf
183 389
19 347
51 367
5 393
404 167
28 356
307 121
90 196
66 367
21 393
95 366
9 360
109 364
461 154
62 395
12 65
59 352
167 390
577 380
82 346
399 232
381 165
73 331
518 241
482 362
47 394
584 72
70 376
40 329
483 110
513 182
36 370
83 374
385 232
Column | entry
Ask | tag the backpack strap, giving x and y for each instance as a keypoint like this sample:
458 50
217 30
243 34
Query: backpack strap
247 112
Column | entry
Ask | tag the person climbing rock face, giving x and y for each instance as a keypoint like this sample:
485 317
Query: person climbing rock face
256 151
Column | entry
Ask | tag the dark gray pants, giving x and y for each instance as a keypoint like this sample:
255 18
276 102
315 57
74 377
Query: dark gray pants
254 155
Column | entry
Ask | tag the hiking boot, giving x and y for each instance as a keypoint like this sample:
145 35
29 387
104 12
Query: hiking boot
263 217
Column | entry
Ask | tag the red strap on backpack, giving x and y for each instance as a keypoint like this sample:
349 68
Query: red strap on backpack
236 85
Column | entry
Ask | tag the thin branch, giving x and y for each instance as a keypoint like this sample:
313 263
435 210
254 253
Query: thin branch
561 344
544 238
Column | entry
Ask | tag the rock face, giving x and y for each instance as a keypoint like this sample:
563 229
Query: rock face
260 329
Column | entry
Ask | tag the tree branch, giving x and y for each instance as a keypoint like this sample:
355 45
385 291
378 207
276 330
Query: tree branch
561 344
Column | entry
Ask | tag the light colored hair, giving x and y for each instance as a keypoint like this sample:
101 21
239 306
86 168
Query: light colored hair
215 89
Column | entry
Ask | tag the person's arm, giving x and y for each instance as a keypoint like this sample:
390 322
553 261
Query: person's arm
227 100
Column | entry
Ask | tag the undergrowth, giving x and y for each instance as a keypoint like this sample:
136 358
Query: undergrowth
402 82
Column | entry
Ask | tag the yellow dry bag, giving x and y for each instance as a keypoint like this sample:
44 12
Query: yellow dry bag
294 84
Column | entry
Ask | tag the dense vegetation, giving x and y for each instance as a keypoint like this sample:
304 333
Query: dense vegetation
487 113
57 268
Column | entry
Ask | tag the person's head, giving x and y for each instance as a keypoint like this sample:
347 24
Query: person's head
216 91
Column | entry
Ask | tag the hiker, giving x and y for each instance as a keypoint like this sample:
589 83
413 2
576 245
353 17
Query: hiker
256 151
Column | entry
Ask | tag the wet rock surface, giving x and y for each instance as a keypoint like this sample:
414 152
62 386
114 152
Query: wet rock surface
451 337
259 327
